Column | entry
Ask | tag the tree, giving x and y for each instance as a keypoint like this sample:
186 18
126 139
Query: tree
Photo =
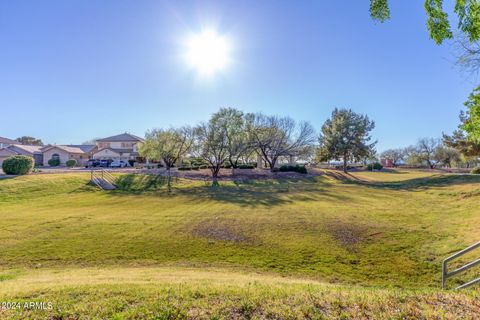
346 136
426 151
30 141
211 144
469 150
275 137
468 57
471 118
413 156
468 13
167 145
394 155
238 144
447 156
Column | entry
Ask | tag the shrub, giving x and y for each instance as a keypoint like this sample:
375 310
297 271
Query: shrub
375 166
203 166
246 166
296 168
198 162
184 168
54 162
475 170
18 165
71 163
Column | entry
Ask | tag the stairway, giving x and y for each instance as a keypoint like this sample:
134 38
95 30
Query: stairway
103 179
103 184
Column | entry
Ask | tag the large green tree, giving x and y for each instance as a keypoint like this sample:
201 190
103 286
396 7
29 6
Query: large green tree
346 136
438 24
167 145
471 118
458 140
238 143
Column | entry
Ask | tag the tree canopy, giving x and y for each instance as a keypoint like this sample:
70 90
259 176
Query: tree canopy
274 137
167 145
438 24
238 144
346 136
30 141
471 118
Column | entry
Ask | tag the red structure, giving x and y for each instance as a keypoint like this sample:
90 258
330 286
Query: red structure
387 163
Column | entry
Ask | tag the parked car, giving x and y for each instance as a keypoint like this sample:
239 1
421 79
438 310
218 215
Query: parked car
119 164
92 163
105 163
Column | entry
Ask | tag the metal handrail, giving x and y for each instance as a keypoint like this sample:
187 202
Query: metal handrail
446 274
108 176
95 175
94 178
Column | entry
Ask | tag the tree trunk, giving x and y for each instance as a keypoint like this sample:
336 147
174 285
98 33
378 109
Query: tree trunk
215 171
272 164
345 163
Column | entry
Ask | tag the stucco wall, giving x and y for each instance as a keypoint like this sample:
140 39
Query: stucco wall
106 154
64 157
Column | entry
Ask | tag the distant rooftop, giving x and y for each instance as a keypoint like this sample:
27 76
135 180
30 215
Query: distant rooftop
73 148
8 141
121 137
31 149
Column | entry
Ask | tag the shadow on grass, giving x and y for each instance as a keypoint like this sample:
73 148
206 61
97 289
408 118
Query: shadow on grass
250 193
439 180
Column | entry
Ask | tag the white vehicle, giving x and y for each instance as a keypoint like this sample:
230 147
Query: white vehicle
119 164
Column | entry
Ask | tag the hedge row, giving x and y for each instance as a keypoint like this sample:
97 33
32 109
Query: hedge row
295 168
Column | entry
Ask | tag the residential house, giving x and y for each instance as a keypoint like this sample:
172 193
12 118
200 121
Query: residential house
19 149
80 153
120 147
5 142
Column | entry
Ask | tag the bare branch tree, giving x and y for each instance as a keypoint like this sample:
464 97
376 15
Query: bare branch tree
211 144
275 137
468 56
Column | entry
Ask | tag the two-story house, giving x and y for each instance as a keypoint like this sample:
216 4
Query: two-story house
119 147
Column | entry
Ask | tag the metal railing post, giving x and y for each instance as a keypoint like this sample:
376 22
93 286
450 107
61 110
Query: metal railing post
446 274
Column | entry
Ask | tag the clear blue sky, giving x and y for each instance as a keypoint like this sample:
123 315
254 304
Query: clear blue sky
74 70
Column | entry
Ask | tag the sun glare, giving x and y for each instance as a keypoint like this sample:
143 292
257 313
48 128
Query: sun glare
208 52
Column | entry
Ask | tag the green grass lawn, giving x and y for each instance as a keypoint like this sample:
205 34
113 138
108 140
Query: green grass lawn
349 242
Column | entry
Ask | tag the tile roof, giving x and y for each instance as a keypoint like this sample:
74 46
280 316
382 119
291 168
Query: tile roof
6 140
121 137
30 149
73 148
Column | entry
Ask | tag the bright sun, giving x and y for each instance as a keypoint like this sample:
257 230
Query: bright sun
208 52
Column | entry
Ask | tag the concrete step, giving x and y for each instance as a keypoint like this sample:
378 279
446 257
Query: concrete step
104 184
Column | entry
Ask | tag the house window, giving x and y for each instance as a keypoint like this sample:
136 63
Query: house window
104 145
55 156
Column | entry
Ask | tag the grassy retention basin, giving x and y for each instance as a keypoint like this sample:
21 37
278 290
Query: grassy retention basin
191 293
330 246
